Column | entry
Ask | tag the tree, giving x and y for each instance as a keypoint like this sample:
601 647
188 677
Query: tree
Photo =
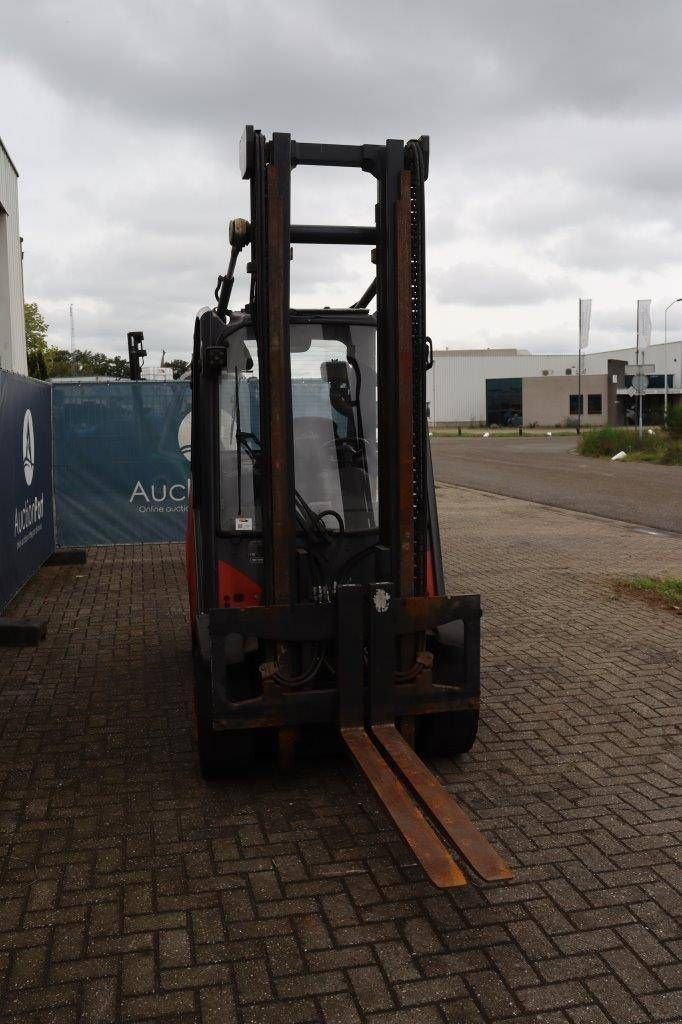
178 366
36 341
45 361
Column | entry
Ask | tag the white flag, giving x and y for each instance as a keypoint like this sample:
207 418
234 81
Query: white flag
643 324
584 313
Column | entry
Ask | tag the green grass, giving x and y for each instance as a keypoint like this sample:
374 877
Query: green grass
666 591
658 447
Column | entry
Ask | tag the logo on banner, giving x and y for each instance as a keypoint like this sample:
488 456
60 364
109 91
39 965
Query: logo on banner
185 436
28 519
28 447
162 497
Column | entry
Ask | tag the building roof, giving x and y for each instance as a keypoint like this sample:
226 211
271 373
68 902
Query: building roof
612 353
3 147
482 351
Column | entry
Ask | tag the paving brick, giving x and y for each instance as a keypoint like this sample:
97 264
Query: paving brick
631 971
572 968
166 1005
132 890
555 996
138 974
310 984
28 967
339 1009
420 1015
665 1005
421 937
617 1001
217 1005
99 1001
284 955
492 995
294 1011
174 948
434 990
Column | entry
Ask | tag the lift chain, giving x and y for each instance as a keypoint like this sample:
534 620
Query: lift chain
415 163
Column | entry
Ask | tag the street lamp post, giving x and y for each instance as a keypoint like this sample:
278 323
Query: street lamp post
665 359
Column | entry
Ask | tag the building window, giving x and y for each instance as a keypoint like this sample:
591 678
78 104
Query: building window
503 400
575 405
594 405
657 380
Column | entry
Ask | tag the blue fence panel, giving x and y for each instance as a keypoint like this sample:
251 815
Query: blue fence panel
121 461
26 521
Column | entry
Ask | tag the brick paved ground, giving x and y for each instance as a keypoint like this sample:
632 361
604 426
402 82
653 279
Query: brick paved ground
131 890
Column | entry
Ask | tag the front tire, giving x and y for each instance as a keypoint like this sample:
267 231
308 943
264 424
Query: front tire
221 752
448 734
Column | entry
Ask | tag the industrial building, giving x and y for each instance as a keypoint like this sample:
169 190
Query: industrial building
12 331
512 387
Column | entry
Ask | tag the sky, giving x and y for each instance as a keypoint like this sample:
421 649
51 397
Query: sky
556 156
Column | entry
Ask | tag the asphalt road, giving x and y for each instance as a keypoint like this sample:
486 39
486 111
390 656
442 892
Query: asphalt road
548 471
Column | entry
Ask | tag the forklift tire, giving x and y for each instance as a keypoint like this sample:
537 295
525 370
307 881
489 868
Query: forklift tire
221 752
448 734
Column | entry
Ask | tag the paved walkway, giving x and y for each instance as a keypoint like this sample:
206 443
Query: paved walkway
546 470
130 890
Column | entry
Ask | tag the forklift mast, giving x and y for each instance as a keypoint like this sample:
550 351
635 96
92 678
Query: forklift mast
364 650
402 355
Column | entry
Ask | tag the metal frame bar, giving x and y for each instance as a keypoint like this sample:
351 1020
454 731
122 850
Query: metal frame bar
280 485
387 361
328 234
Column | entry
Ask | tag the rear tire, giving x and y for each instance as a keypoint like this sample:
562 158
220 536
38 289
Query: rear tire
448 734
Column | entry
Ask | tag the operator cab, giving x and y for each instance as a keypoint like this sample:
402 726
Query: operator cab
334 414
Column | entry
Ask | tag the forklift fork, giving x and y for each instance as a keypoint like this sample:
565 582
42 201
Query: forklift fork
410 793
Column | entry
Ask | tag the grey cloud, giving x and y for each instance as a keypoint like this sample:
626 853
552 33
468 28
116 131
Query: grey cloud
490 284
607 245
552 133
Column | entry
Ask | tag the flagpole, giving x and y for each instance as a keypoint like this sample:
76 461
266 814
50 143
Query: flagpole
580 392
639 375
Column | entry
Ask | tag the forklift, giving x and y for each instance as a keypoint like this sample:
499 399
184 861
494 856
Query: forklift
314 567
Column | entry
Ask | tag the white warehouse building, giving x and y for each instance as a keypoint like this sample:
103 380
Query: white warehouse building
12 330
515 387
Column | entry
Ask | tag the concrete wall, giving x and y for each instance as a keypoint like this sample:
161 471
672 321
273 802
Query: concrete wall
12 331
546 400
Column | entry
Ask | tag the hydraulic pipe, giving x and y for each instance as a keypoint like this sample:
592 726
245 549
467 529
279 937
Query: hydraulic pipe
366 296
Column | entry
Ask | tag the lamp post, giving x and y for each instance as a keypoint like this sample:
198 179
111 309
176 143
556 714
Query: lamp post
665 359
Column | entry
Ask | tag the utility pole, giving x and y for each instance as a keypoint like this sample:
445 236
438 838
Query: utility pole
584 316
580 387
639 389
665 361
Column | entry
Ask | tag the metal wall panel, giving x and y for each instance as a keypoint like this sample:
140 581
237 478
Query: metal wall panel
12 332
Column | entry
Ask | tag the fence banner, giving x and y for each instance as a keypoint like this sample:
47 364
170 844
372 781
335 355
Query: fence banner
584 316
121 461
26 523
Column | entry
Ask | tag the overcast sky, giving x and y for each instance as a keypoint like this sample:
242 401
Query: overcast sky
556 166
